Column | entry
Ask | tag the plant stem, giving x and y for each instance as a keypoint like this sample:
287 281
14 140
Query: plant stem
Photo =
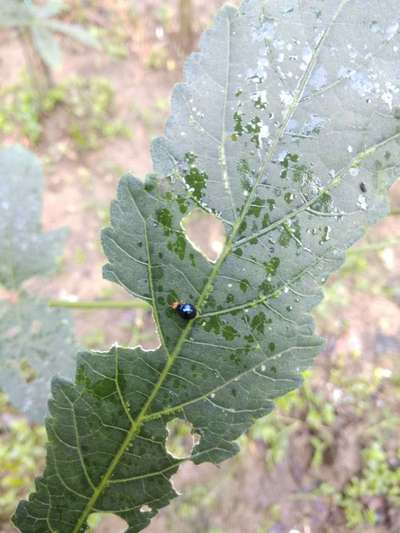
376 247
38 71
100 304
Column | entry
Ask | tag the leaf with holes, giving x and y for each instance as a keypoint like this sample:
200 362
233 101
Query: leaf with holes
35 341
287 130
25 251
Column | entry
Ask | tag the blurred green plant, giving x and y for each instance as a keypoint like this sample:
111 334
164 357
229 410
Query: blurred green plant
19 110
35 341
91 103
304 406
312 413
195 509
160 59
362 272
38 26
164 15
114 41
379 479
152 116
22 453
89 106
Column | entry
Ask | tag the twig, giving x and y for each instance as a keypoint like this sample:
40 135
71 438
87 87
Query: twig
375 247
99 304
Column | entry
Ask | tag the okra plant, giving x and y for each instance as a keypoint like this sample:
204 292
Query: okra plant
287 130
41 23
35 341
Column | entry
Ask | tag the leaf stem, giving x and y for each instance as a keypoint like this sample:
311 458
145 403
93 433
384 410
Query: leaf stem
100 304
375 247
39 72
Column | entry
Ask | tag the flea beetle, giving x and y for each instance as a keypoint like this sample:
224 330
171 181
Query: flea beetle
185 311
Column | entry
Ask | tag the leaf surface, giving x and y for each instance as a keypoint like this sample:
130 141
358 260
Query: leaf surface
286 110
35 342
47 46
15 14
75 31
39 19
51 9
25 250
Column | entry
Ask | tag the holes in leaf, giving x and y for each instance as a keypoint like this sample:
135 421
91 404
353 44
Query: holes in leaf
144 331
101 522
182 481
145 509
205 232
180 440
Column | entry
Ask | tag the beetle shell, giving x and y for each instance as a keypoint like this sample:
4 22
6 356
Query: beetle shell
185 311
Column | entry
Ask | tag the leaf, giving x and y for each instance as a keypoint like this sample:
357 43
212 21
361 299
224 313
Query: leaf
35 341
51 9
76 32
39 19
15 14
285 111
47 46
25 251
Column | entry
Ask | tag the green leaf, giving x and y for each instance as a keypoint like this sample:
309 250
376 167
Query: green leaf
39 19
47 46
25 251
76 32
35 342
18 13
285 111
15 14
51 9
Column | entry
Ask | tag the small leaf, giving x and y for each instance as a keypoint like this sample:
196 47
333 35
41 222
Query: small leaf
39 20
25 251
47 46
284 111
35 342
15 14
76 32
51 9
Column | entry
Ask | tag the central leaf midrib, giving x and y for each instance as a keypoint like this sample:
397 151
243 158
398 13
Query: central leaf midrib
140 419
176 408
225 173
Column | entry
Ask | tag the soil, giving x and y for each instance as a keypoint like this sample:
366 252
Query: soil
79 189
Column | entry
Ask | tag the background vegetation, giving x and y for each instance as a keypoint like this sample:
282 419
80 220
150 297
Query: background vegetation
328 459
